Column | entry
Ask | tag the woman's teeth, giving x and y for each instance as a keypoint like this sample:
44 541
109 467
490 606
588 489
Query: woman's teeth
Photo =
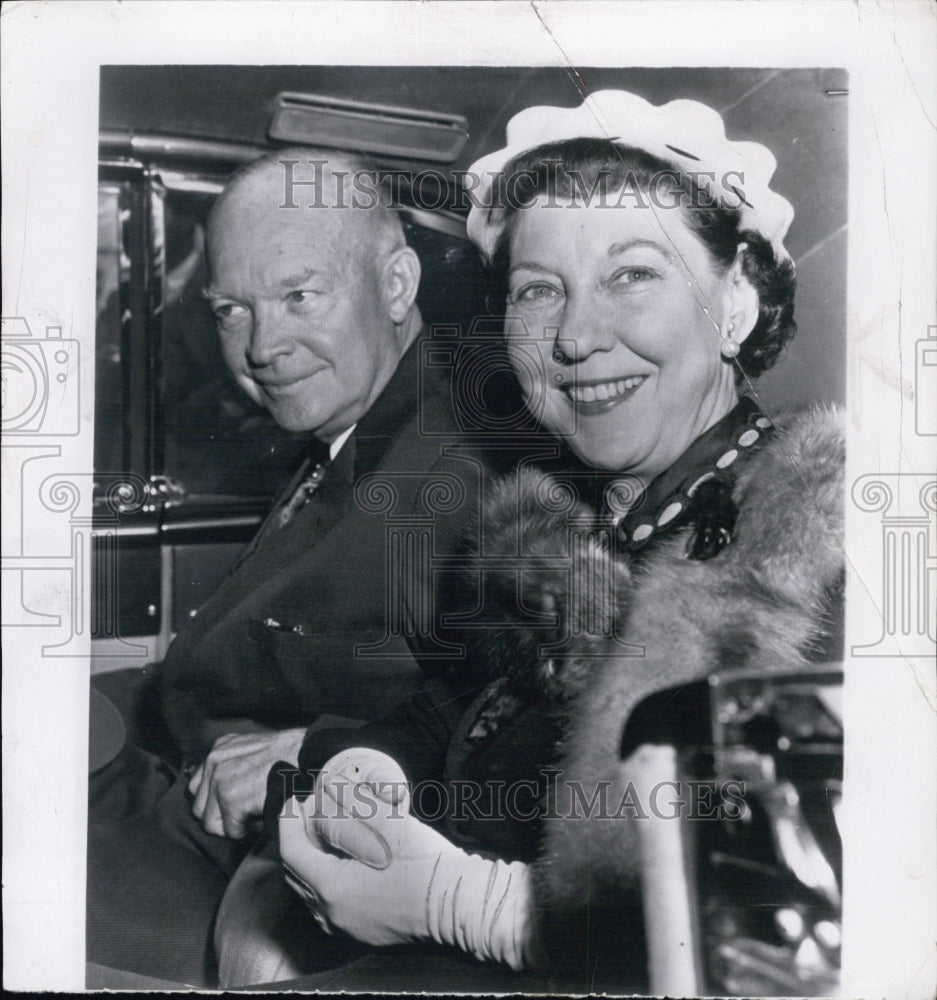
604 390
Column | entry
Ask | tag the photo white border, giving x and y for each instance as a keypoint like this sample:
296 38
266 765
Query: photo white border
51 55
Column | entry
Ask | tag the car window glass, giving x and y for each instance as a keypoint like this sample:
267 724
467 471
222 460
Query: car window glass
111 260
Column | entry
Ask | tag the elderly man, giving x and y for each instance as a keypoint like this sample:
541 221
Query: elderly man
314 297
315 311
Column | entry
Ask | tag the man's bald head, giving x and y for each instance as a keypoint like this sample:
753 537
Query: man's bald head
313 289
325 189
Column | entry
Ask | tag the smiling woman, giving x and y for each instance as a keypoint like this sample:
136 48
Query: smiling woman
645 281
619 292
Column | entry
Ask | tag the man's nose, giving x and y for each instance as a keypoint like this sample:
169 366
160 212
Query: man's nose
583 330
269 338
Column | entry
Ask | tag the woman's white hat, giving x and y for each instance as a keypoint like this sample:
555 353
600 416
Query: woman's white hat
687 134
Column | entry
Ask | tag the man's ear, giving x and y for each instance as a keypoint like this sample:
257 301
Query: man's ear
400 280
740 305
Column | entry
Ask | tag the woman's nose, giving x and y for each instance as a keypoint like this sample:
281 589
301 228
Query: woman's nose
583 330
269 338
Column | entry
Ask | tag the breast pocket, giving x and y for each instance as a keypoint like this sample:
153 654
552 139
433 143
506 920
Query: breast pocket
325 672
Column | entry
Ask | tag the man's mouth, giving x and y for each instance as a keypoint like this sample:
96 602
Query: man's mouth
597 397
272 383
269 383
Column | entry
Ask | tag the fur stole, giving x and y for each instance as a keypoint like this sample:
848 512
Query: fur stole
762 604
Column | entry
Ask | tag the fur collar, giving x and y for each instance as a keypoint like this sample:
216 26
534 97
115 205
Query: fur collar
764 604
784 558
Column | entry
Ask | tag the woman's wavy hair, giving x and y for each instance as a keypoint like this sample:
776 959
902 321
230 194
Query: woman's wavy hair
574 168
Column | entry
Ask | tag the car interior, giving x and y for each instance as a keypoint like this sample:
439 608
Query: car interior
186 465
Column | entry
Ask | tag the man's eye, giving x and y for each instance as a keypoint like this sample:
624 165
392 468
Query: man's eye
301 297
227 312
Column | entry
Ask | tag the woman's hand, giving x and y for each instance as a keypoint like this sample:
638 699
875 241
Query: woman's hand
365 866
356 856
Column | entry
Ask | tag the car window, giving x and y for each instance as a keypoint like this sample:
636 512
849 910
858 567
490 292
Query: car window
111 260
166 403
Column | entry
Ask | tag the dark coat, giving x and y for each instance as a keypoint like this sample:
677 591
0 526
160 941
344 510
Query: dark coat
768 602
280 642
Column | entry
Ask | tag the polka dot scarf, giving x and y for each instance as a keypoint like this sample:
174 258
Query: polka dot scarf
696 490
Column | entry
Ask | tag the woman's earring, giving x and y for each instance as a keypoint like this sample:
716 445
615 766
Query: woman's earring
729 346
559 356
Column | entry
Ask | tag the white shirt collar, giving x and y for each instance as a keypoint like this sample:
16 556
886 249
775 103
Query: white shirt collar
336 446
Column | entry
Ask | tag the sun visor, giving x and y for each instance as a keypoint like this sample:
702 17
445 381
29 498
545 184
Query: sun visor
369 128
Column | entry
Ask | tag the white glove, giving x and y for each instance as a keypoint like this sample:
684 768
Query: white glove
364 865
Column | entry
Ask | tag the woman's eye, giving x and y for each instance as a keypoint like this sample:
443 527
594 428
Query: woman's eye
536 294
633 275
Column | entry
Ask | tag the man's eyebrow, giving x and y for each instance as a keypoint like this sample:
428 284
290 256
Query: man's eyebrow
290 281
299 277
617 248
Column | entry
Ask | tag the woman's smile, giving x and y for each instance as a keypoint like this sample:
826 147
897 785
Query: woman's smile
594 397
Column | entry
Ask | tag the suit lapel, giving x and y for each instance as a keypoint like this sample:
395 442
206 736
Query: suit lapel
362 453
396 405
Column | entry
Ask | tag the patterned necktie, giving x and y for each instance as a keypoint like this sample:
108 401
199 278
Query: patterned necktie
312 478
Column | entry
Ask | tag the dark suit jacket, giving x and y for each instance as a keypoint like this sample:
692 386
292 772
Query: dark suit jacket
280 642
